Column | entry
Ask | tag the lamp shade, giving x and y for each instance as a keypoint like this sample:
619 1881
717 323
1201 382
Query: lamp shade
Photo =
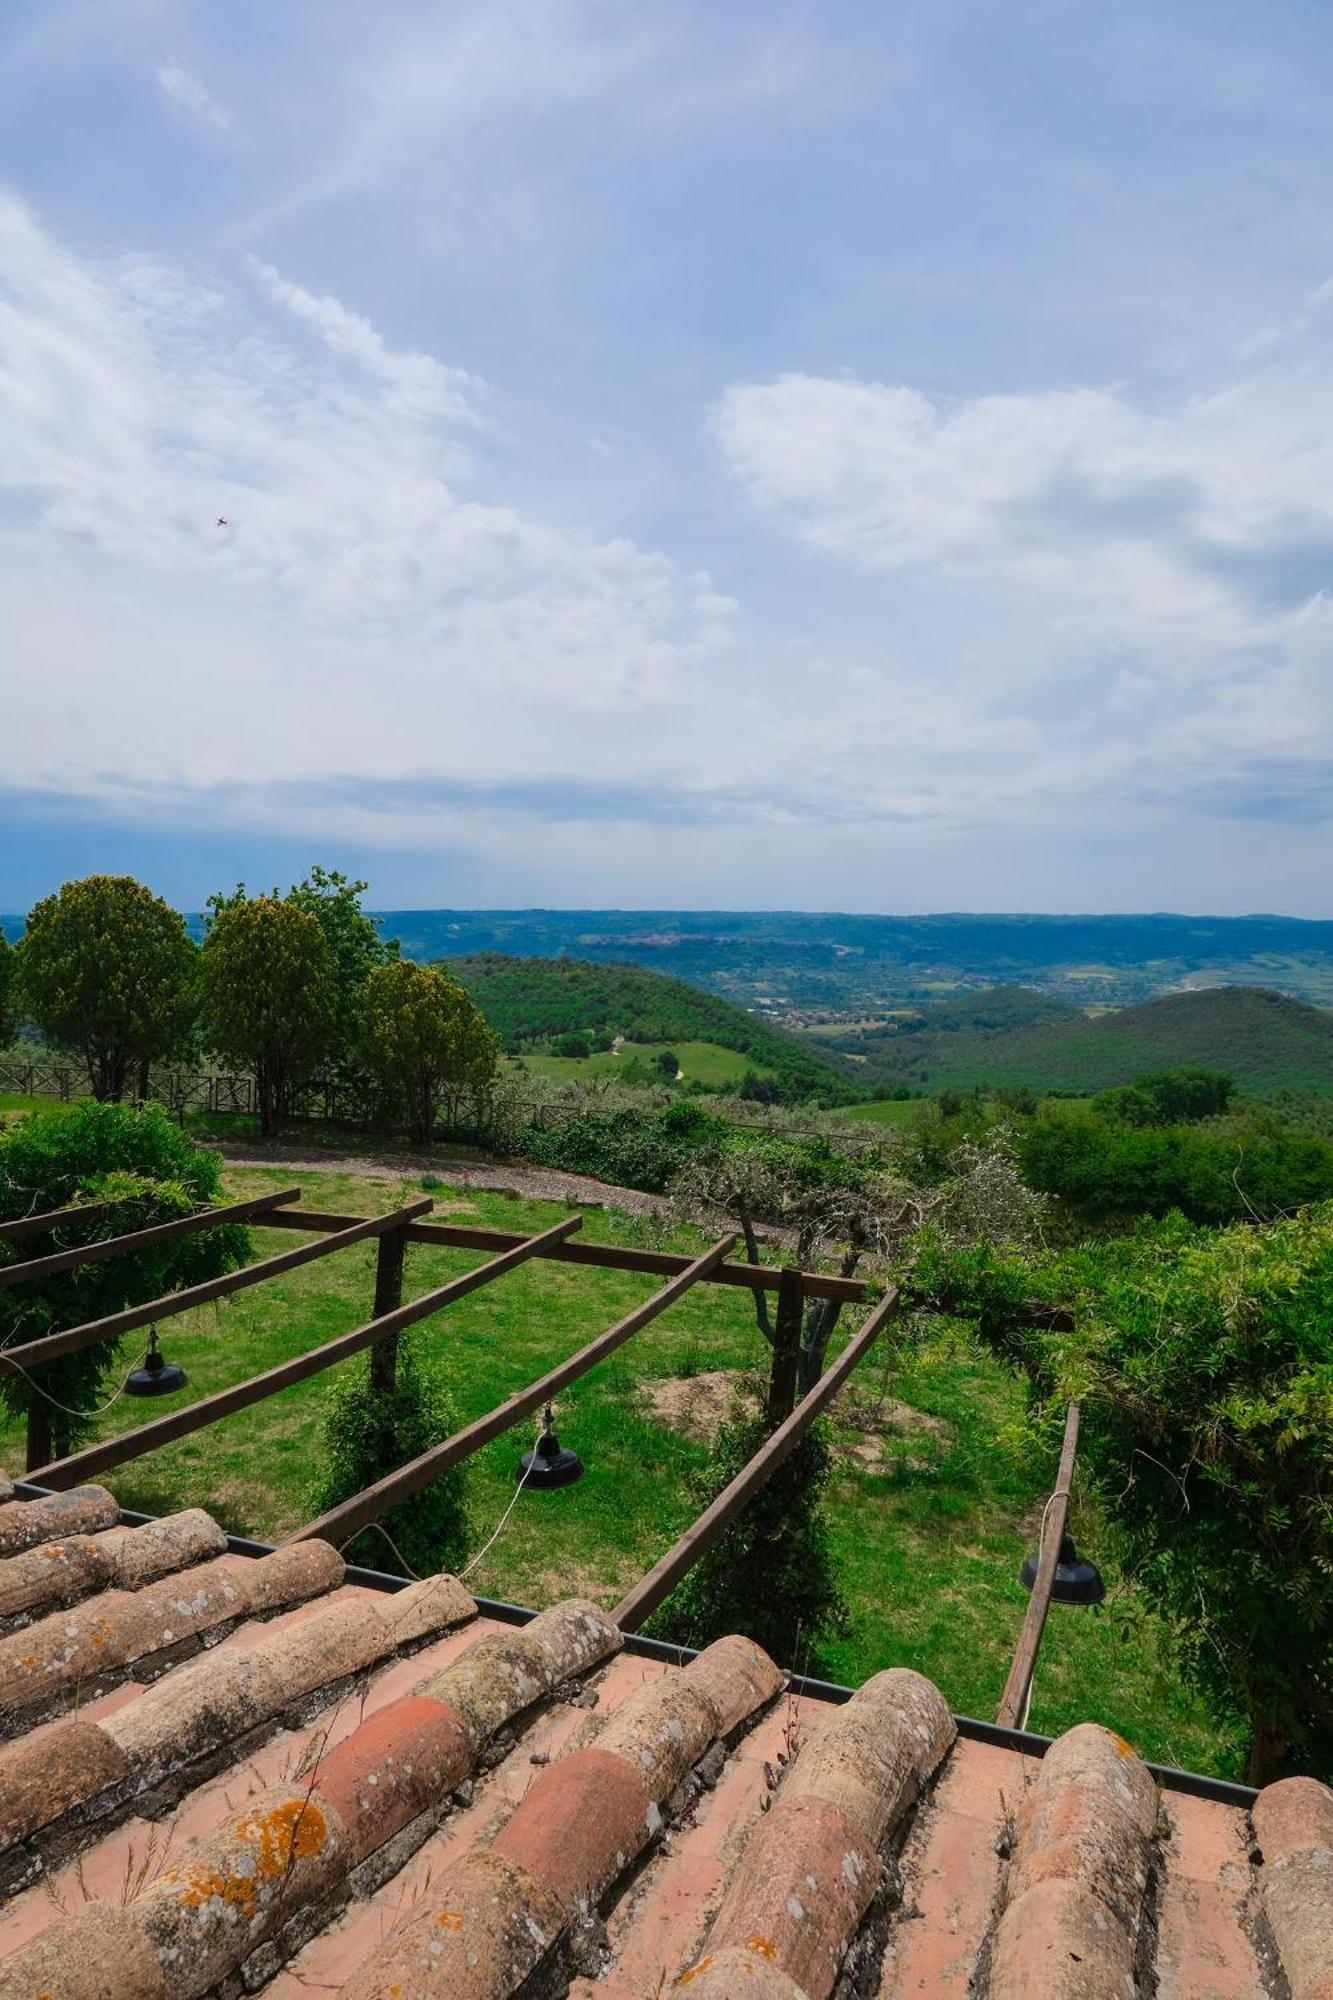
1077 1581
155 1375
549 1463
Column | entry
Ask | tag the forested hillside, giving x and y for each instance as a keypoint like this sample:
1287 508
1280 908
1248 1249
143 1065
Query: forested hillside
531 1001
1265 1040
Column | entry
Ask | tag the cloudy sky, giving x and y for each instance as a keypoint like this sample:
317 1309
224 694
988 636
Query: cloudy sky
835 456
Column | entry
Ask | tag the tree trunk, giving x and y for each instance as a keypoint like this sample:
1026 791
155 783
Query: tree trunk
39 1434
821 1322
1270 1746
144 1080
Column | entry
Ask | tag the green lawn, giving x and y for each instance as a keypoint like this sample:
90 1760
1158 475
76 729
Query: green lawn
881 1111
929 1546
702 1062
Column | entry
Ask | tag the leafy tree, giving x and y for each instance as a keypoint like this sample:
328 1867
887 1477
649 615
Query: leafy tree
371 1430
269 985
137 1160
772 1574
575 1046
668 1064
1203 1360
1169 1097
420 1034
8 1018
108 973
357 947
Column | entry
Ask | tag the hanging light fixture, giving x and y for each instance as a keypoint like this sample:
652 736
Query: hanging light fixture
1077 1581
549 1463
155 1375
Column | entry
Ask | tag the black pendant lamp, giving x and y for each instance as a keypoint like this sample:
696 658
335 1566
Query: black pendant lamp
155 1375
549 1463
1077 1581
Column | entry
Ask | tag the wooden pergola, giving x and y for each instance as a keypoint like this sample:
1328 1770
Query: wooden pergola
391 1315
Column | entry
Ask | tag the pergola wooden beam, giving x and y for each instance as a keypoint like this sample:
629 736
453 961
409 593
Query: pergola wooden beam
52 1218
34 1352
81 1465
602 1256
1013 1702
341 1523
142 1239
732 1501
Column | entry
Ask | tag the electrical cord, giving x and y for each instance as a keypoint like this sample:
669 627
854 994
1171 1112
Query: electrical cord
483 1551
65 1408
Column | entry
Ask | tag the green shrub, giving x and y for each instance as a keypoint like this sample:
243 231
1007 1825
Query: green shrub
369 1432
772 1574
150 1172
1201 1358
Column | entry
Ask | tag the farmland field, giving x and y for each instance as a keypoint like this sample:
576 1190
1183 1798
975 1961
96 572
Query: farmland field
932 1513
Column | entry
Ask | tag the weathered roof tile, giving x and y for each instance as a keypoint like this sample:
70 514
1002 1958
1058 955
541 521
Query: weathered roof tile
81 1511
812 1865
1293 1824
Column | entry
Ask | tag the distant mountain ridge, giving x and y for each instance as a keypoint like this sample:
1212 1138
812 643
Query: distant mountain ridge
784 962
804 964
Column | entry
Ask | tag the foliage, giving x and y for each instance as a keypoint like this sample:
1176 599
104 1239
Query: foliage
771 1575
1170 1097
1107 1172
370 1431
356 944
150 1172
1262 1039
108 974
8 1012
1204 1364
529 1000
631 1146
419 1034
270 996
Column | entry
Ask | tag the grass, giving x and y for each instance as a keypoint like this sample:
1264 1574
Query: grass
702 1062
880 1111
928 1547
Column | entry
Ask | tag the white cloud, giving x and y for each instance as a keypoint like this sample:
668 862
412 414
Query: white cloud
189 99
1213 515
1148 588
139 405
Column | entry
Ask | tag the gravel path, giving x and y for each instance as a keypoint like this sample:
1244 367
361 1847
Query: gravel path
538 1183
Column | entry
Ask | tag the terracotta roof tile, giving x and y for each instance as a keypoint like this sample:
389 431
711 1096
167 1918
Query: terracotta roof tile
364 1793
57 1572
497 1911
57 1658
81 1511
1293 1824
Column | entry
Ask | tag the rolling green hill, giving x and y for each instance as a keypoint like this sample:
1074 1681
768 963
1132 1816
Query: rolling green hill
529 1000
1265 1040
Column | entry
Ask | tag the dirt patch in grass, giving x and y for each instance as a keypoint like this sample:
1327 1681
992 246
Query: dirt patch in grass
699 1405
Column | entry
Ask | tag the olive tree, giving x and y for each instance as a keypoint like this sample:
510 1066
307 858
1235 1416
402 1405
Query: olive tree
108 973
269 995
420 1034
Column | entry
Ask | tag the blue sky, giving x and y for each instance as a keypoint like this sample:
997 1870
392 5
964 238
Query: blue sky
834 456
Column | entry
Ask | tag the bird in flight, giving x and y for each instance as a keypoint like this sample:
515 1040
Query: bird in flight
223 522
